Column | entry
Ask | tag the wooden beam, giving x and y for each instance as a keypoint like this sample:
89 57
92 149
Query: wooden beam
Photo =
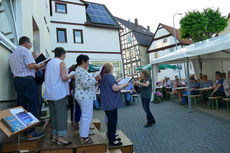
163 48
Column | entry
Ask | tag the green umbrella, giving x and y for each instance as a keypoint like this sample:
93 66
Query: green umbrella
93 68
160 67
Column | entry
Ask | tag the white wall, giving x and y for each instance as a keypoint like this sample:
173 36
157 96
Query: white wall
75 13
71 58
7 91
159 44
34 9
94 39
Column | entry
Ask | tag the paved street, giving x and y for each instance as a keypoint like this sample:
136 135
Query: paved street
175 131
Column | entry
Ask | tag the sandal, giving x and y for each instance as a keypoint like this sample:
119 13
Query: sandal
54 140
91 133
87 140
115 143
63 143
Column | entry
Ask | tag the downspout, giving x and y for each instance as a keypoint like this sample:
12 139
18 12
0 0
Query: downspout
15 26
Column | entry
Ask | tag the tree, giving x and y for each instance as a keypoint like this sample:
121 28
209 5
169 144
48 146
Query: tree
199 26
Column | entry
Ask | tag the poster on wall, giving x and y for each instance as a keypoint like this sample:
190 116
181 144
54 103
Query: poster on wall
117 72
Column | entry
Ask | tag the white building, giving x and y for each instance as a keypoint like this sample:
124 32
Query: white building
86 28
163 43
20 18
135 40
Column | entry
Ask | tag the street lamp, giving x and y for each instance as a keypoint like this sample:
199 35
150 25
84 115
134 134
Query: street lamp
175 39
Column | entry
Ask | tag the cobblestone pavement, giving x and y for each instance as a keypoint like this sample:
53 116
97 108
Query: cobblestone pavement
175 131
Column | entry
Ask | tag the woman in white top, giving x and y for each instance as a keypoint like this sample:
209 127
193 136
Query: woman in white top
85 94
56 90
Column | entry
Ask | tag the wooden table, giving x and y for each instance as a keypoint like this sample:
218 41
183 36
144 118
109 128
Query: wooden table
204 89
126 91
181 88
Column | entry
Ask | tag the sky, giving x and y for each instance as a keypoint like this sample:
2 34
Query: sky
152 12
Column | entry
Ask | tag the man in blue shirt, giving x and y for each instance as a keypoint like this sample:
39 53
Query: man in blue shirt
128 97
205 83
194 85
219 88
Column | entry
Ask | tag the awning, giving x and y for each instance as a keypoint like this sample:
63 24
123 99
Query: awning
93 68
160 67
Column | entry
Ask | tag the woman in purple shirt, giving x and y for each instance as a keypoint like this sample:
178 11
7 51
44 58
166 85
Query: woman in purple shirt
110 101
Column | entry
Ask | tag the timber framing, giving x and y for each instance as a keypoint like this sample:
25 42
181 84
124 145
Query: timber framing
163 48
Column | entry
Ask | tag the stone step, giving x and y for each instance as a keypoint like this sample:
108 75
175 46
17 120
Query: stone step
127 145
97 123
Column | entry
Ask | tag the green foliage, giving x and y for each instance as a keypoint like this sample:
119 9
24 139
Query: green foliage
199 26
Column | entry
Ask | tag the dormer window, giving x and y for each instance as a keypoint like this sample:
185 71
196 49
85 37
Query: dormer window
165 40
61 8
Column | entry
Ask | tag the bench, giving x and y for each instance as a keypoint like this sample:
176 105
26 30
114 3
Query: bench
194 98
214 99
136 98
227 100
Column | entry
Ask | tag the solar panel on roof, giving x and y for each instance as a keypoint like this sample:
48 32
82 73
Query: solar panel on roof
98 14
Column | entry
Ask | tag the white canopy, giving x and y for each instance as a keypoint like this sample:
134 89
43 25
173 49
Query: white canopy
216 44
207 57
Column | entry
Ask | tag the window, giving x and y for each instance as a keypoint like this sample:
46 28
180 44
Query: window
156 55
133 52
127 54
171 49
61 35
61 8
77 36
165 40
129 38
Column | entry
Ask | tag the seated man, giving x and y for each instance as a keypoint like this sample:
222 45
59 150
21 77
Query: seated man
194 85
205 83
128 97
218 88
226 85
167 86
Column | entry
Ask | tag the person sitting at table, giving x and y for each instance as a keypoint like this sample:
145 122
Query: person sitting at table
167 86
193 85
176 84
205 83
226 85
218 88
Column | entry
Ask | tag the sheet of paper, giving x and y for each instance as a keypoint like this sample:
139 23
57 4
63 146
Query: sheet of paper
98 73
33 117
16 111
71 73
124 81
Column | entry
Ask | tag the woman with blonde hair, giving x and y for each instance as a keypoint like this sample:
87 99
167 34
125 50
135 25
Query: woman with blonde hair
110 101
145 92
